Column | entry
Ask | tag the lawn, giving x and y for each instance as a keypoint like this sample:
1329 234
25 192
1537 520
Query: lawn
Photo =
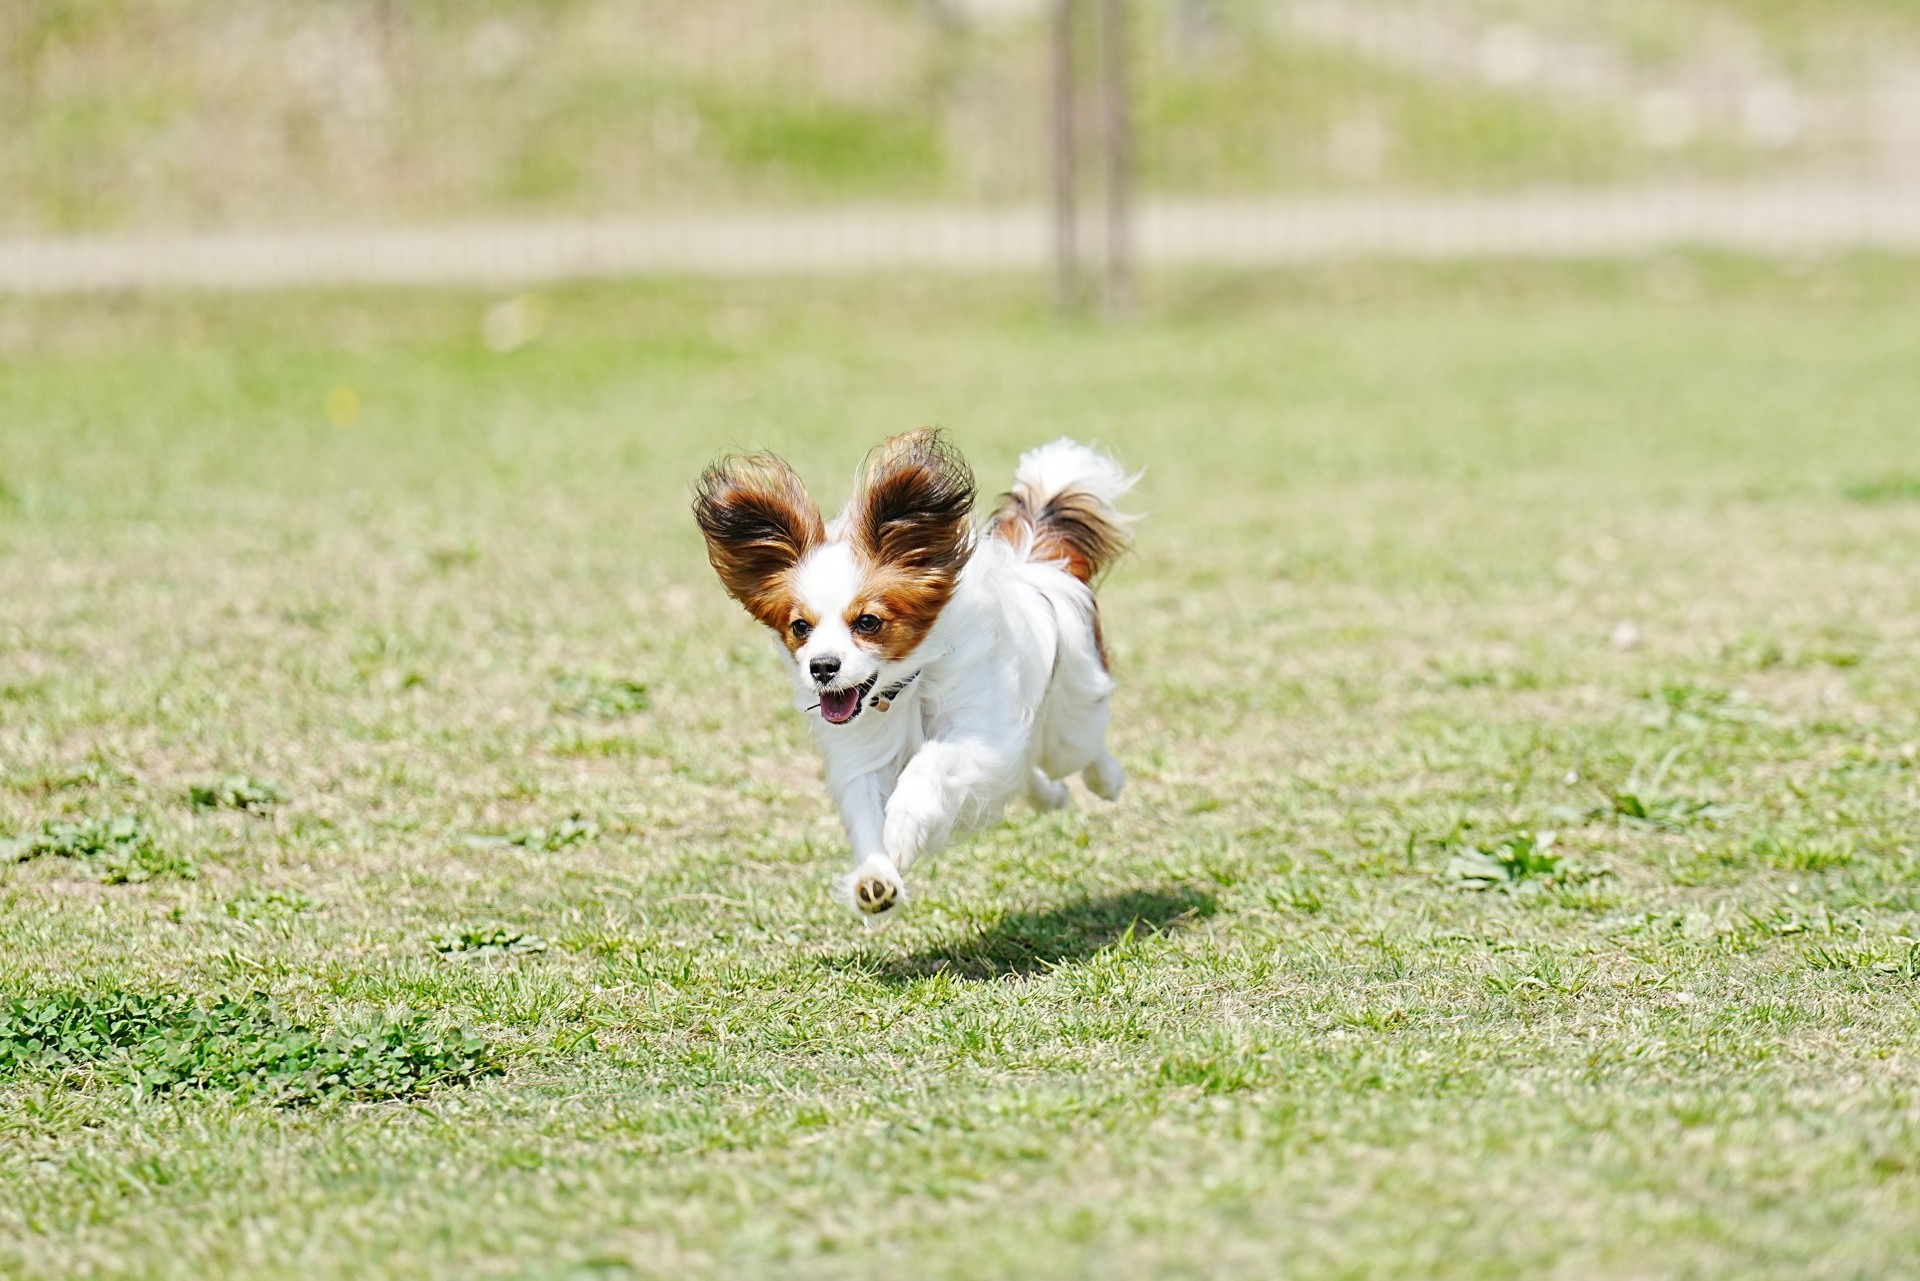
412 869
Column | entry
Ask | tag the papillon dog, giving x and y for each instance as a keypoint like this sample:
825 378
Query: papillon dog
942 669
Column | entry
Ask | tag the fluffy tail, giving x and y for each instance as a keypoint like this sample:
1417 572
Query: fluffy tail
1062 508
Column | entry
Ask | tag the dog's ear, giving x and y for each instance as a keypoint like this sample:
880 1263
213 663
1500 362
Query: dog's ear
913 507
758 522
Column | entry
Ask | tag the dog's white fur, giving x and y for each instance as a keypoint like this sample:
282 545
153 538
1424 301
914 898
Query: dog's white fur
1009 690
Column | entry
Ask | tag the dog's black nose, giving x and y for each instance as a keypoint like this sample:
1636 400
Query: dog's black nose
824 668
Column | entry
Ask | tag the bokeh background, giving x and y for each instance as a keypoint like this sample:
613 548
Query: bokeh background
251 116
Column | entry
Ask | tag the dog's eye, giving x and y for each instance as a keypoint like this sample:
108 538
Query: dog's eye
866 624
800 627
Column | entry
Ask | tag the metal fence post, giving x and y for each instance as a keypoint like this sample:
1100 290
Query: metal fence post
1066 167
1116 156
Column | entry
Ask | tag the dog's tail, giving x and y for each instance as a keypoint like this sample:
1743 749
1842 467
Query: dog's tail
1063 507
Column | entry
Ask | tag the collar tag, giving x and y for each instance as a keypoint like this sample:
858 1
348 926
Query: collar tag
884 699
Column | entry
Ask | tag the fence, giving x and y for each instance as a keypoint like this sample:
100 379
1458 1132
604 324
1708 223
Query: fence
257 141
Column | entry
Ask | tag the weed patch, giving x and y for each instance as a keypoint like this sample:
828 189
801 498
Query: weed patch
1903 488
570 831
1662 811
114 850
90 776
268 905
1892 958
1645 800
172 1044
1520 861
484 942
237 792
604 698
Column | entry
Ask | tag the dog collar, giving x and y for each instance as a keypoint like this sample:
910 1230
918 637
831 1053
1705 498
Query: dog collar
884 699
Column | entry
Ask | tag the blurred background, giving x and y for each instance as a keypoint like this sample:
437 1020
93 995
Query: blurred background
592 137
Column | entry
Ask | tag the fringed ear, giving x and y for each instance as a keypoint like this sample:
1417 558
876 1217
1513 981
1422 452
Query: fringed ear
913 507
911 521
758 523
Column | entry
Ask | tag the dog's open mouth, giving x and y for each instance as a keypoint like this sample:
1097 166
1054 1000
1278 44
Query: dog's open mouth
838 706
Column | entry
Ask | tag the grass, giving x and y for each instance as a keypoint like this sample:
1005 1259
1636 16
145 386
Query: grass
493 798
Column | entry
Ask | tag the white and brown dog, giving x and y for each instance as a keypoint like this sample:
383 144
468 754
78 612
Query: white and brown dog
949 671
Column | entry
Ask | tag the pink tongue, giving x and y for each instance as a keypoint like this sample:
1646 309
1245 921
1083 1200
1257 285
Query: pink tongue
840 705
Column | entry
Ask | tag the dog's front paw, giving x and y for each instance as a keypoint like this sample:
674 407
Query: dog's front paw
875 895
874 890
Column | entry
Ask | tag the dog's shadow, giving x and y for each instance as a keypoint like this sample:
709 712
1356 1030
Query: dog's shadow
1024 943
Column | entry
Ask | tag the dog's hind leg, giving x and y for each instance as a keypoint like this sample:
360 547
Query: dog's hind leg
1073 730
1104 778
1075 741
1046 793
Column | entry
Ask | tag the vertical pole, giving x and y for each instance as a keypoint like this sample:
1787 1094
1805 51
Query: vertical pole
1115 148
1066 218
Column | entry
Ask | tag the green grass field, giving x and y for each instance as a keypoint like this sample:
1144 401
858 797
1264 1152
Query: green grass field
411 869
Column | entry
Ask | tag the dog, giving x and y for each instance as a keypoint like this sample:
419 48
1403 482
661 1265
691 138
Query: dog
943 670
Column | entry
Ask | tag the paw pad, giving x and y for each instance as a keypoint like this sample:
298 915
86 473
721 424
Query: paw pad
873 895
